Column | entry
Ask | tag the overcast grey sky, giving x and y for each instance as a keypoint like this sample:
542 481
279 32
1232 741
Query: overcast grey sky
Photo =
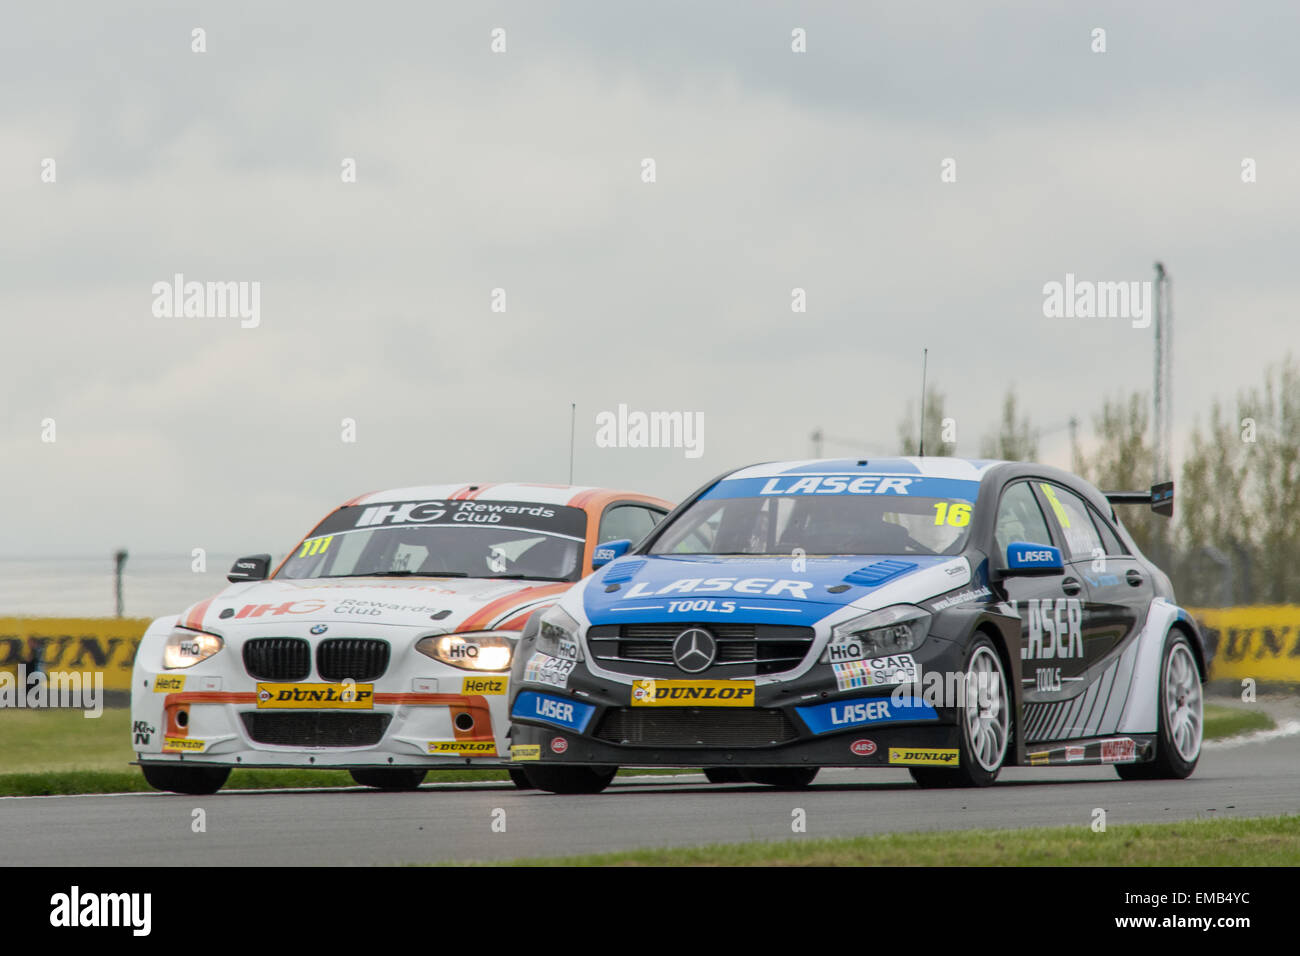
521 170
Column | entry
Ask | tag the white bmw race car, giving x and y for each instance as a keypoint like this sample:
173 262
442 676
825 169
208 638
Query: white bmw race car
382 644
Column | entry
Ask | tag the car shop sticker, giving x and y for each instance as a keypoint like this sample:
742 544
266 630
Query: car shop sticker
922 756
177 744
526 752
876 672
692 693
316 696
1119 750
477 748
544 669
168 683
486 686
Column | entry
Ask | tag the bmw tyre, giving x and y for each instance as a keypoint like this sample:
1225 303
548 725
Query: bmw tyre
389 778
194 780
1180 707
570 779
985 724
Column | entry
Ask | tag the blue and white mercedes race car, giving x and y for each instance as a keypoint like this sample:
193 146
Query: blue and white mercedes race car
943 615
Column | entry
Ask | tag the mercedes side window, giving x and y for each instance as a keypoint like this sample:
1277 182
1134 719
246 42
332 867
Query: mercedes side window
1081 539
1109 539
1019 519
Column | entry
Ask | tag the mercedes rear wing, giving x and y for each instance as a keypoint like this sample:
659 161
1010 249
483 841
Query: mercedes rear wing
1160 498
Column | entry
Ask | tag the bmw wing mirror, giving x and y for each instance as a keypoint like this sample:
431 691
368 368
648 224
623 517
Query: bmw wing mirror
1024 559
255 567
608 551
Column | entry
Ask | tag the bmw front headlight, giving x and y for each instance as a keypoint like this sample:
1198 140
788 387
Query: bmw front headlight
557 634
471 650
891 630
186 647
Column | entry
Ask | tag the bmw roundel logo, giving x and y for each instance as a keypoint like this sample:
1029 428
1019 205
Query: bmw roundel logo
694 650
319 629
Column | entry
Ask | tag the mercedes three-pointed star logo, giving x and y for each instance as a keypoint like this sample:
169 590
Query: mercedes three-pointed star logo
694 650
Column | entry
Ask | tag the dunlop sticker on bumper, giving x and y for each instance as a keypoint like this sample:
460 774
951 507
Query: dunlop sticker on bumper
168 683
477 748
918 756
316 696
486 686
526 752
176 744
693 693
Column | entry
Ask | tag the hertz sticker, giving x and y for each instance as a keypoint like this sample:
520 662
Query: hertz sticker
176 744
316 696
526 752
486 686
168 684
479 748
693 693
912 756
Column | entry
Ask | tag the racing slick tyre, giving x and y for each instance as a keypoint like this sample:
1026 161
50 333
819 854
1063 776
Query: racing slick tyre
724 775
1180 709
519 779
199 781
985 724
570 779
385 778
783 778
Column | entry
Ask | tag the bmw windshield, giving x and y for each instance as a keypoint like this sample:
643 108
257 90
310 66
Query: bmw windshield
475 539
824 515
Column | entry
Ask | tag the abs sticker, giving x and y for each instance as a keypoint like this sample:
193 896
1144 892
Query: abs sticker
485 686
559 745
168 684
476 748
863 748
923 757
178 744
526 752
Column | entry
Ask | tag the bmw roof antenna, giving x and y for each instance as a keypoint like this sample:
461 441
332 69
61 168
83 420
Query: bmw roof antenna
920 447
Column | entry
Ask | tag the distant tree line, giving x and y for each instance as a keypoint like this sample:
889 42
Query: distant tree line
1235 535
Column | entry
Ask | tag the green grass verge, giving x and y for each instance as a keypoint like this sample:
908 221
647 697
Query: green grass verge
49 752
1261 841
1223 721
59 752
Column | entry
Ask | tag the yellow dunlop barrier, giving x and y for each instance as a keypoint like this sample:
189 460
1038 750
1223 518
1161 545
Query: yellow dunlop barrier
73 644
1262 642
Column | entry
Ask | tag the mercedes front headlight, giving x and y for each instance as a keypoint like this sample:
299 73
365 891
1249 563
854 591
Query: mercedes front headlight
557 634
891 630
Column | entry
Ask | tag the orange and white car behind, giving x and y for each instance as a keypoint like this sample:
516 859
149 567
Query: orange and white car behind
382 644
